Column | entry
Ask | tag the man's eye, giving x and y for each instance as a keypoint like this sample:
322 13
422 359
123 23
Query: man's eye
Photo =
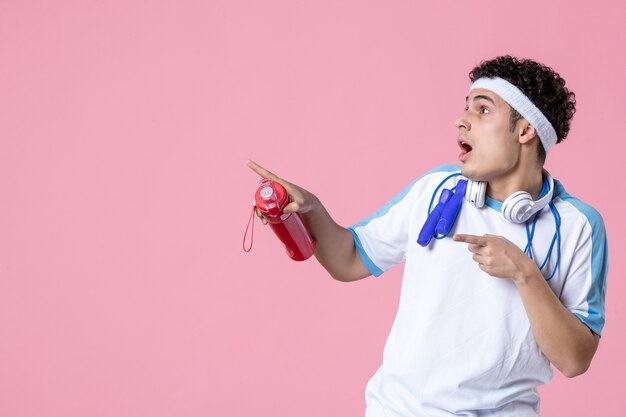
484 110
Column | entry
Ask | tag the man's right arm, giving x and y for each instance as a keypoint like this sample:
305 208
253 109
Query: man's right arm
335 249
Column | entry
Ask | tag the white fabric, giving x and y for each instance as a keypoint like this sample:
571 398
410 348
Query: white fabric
461 343
522 104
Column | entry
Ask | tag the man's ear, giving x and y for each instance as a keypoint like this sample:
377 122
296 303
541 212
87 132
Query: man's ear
526 131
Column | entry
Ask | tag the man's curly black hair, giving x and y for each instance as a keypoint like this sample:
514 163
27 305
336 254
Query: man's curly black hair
541 84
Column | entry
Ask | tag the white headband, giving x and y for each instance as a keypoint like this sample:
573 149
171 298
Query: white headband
522 104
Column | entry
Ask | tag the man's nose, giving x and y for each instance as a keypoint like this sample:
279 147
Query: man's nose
462 122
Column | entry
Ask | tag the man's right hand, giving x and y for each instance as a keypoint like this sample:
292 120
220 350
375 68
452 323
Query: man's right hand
335 245
301 200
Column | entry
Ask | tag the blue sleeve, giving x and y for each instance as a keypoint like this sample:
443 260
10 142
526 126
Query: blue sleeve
592 266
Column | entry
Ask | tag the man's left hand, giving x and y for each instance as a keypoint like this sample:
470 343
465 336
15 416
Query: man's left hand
497 256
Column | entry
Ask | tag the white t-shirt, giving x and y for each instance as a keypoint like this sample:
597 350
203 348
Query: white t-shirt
461 343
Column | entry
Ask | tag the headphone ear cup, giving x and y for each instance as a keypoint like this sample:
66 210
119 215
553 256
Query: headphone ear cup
517 208
476 193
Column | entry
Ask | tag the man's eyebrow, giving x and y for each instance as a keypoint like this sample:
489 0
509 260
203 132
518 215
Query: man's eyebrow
481 96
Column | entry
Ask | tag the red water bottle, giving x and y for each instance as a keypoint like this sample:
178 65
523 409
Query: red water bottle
271 198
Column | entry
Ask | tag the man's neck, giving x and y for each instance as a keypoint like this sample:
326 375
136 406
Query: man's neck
530 180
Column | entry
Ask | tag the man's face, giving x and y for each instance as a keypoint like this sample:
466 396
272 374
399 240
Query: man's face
489 150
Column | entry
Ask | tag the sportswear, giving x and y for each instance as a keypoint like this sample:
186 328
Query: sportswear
461 343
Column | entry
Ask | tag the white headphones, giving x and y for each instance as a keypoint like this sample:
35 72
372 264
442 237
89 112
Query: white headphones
518 207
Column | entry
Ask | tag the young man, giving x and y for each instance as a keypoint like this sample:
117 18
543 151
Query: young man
476 331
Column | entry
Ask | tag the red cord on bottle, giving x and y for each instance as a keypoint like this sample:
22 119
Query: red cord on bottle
251 219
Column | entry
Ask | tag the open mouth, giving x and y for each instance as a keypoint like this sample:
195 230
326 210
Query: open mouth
465 149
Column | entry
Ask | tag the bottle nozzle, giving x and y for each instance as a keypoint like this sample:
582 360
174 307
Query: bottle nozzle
267 193
269 197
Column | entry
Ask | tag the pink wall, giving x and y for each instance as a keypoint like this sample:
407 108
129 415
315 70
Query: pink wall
124 128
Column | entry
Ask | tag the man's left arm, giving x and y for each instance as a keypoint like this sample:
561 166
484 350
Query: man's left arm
566 341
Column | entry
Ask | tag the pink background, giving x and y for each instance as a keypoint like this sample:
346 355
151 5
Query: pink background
124 128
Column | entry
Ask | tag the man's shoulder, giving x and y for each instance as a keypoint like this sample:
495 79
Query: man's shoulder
442 169
439 172
429 180
577 207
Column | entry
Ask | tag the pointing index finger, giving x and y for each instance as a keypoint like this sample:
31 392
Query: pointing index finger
260 170
479 240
